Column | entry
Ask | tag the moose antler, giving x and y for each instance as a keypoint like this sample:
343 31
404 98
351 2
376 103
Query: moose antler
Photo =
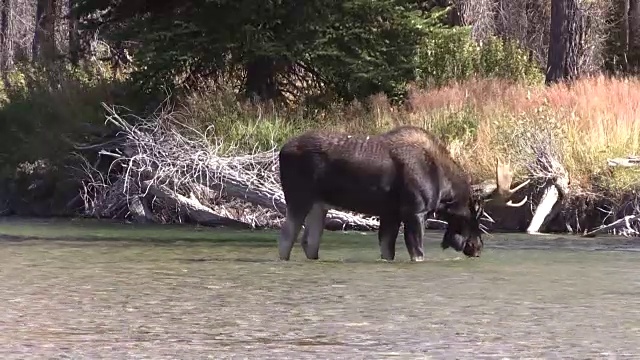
503 192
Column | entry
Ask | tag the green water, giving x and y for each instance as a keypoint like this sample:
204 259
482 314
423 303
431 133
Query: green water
95 290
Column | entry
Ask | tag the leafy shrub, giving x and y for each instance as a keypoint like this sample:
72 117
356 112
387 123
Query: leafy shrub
44 110
450 54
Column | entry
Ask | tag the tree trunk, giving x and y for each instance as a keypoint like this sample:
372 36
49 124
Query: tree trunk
479 14
44 44
74 36
537 26
498 23
565 37
618 36
6 53
261 81
634 34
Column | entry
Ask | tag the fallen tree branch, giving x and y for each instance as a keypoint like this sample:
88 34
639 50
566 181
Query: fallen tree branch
624 223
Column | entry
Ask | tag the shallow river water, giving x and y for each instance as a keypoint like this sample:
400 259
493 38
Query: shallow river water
89 290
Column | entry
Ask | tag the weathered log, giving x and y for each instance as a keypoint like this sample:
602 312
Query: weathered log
630 161
192 207
140 210
259 193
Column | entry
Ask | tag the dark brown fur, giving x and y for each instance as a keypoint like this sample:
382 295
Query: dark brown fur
400 176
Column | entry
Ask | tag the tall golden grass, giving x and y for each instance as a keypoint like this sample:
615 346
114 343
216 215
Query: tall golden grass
587 122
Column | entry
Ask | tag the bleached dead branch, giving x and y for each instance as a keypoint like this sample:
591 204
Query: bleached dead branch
624 226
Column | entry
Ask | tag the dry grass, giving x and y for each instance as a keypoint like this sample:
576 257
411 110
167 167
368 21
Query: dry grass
590 121
586 123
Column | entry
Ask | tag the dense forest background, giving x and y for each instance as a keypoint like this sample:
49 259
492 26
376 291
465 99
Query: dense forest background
227 62
323 48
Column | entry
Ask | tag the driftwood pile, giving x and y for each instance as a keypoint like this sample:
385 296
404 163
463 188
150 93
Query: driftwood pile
165 171
162 170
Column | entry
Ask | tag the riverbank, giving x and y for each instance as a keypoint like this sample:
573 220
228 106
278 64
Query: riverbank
579 127
578 214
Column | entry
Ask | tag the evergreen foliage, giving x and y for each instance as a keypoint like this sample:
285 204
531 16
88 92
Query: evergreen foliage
342 49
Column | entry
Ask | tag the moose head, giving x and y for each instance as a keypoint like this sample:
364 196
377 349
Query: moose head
464 230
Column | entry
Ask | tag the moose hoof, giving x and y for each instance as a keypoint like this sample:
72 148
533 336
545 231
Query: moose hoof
417 259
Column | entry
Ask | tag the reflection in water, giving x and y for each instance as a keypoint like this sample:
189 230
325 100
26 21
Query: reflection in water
86 296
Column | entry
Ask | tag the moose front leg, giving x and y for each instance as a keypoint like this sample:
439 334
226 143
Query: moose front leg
413 236
387 235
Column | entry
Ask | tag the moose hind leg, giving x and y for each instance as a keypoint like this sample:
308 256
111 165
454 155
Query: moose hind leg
413 236
387 235
313 229
290 229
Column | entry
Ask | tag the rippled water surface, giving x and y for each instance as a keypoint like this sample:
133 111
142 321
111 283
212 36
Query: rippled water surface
86 290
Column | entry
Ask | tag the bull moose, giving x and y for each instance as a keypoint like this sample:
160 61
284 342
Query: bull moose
401 176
